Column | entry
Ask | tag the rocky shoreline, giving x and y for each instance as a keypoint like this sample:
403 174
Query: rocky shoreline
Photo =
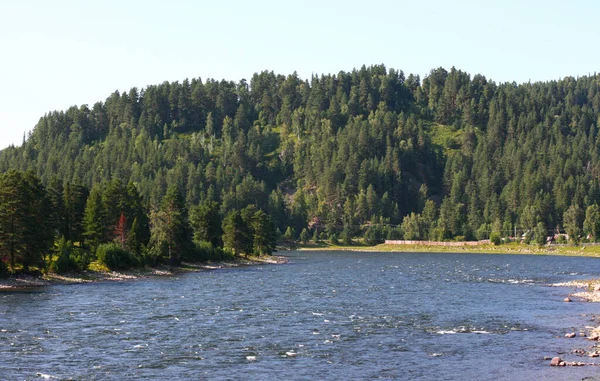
28 282
588 291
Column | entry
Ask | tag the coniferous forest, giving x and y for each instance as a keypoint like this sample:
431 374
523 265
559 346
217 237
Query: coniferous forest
206 169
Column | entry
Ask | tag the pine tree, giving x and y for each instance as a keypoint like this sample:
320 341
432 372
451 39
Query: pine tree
234 232
93 220
206 223
591 224
26 221
264 233
171 232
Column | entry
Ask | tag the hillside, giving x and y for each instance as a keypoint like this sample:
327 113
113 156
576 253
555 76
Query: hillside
451 155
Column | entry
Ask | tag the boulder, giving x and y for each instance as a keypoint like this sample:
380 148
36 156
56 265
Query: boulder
556 361
567 299
570 335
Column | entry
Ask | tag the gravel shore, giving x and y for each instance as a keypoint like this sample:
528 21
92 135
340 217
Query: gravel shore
587 291
30 282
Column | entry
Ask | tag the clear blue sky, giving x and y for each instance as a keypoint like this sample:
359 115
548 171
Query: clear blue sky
60 53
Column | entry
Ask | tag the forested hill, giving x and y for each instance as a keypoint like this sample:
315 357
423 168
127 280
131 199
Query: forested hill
343 151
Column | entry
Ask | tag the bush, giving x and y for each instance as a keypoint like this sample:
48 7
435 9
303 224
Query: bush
116 258
394 234
346 237
315 237
334 239
152 256
495 238
373 235
304 236
69 258
482 232
204 251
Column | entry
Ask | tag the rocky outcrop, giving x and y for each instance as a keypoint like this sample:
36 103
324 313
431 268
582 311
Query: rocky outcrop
557 361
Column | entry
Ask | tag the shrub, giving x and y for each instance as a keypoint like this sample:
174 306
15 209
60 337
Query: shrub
69 258
203 251
334 239
315 237
495 238
482 232
116 258
373 235
304 236
346 237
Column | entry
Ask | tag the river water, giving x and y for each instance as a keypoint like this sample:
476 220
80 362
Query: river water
324 315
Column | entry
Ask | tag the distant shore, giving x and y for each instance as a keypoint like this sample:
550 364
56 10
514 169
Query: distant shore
28 282
581 250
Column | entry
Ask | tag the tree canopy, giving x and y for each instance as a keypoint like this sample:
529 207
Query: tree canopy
451 155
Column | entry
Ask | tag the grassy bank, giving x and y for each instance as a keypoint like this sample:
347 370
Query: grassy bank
581 250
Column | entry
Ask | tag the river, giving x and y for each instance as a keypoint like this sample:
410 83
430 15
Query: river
323 315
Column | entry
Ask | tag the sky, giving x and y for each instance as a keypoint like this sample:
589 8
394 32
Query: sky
60 53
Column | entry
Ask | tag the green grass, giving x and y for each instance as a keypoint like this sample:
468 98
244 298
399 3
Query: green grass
445 137
510 248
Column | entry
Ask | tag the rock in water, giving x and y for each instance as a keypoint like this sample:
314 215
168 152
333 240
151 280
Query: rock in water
556 361
570 335
567 299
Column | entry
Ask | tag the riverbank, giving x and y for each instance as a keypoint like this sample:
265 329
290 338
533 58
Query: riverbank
28 282
587 291
581 250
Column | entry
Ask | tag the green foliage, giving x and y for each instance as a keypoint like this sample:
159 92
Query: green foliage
411 225
171 233
304 237
495 238
483 232
572 221
93 221
26 220
315 237
206 223
335 151
235 234
374 235
116 258
333 239
540 234
289 234
346 237
561 240
204 251
69 258
591 224
263 231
